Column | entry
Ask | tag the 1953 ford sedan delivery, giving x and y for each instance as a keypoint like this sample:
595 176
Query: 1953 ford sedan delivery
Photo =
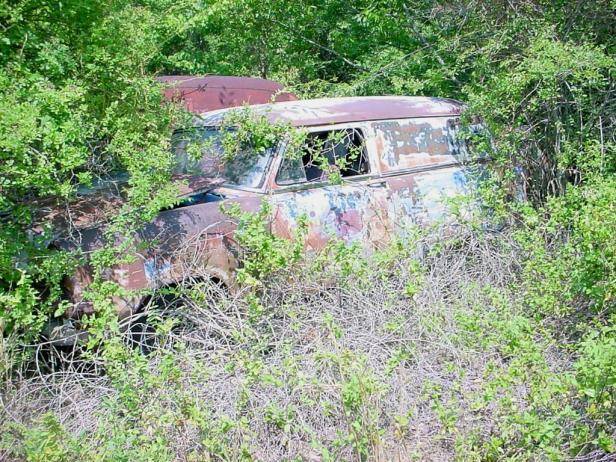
402 159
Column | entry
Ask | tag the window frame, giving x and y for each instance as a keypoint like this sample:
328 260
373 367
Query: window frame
447 160
264 184
366 134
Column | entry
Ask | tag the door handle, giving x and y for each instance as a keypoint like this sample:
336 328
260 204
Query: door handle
378 184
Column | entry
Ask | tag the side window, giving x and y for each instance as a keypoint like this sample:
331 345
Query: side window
325 154
419 142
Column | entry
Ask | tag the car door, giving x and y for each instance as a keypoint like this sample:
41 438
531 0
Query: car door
333 183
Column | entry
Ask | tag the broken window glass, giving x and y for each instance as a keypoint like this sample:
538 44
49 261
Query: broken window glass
326 156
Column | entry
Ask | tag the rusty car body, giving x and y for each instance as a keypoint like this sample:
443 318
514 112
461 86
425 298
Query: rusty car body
411 161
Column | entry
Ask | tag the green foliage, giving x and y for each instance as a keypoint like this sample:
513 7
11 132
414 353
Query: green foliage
78 103
264 253
596 374
245 130
49 441
557 88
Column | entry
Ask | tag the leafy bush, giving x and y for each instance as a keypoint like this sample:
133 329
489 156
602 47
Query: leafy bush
75 106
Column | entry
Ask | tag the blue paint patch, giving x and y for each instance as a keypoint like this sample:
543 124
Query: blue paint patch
156 268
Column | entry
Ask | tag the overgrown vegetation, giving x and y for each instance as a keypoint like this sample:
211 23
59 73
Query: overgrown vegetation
490 347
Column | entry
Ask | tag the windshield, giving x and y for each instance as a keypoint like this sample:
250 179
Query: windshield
199 151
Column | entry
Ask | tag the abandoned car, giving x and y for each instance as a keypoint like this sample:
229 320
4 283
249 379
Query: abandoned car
404 159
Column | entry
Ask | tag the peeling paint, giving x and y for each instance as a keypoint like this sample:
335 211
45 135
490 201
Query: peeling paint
156 269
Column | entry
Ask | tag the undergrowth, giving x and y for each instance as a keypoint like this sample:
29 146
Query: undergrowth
430 349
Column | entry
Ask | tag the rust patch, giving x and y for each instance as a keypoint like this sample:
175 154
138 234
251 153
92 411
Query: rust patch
94 208
207 93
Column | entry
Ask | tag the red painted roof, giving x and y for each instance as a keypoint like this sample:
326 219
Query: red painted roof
199 94
326 111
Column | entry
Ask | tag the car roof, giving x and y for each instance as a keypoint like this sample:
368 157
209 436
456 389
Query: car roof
207 93
325 111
